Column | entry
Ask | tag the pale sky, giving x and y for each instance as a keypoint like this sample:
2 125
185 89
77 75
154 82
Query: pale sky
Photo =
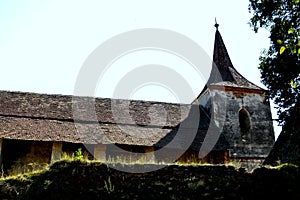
43 44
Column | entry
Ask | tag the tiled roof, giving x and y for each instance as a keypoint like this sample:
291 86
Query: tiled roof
60 107
91 133
43 117
50 118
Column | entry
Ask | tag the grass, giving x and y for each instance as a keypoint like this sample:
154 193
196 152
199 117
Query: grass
79 178
72 178
75 176
132 159
109 186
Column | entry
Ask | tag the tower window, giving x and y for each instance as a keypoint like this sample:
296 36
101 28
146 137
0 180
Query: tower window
244 120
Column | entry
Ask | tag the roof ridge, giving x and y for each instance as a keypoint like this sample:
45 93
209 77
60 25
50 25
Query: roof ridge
96 98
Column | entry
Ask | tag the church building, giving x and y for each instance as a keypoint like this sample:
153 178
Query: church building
232 115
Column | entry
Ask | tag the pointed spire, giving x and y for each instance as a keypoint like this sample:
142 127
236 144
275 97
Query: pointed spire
221 61
222 68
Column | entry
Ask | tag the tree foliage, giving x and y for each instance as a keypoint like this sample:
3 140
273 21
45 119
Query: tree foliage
279 65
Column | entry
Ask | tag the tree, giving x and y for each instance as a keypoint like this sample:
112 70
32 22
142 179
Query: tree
279 65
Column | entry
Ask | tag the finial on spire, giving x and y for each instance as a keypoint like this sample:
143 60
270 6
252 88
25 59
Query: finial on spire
216 23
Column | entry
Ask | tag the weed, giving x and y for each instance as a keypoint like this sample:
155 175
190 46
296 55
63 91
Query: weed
78 154
46 184
109 186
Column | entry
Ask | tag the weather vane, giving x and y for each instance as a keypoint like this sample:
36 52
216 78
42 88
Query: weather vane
216 23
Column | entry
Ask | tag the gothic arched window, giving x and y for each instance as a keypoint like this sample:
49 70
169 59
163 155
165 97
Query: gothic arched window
244 120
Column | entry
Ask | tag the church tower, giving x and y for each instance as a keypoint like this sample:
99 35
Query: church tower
239 108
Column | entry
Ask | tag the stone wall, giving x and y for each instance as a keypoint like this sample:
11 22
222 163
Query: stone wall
225 106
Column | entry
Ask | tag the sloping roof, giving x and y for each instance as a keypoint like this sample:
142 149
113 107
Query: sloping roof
223 72
60 107
50 118
90 133
30 116
214 140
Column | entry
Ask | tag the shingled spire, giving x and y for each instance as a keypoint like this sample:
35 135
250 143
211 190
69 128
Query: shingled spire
221 60
223 72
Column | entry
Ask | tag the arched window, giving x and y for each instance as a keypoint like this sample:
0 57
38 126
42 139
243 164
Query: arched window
245 123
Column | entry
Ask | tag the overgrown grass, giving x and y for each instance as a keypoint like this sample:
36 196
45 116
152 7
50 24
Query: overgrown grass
79 178
132 159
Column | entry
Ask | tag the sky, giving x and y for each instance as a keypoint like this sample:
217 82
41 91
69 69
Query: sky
44 44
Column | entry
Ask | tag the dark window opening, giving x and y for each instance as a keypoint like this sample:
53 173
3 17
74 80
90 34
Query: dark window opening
245 124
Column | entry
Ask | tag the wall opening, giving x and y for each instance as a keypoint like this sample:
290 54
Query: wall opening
245 124
20 156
